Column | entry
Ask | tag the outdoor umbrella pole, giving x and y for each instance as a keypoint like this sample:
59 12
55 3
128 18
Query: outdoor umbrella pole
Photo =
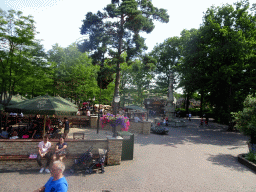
44 124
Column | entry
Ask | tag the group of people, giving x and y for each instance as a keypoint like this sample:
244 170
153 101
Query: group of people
10 133
206 120
57 182
9 119
86 112
34 130
164 122
16 114
44 150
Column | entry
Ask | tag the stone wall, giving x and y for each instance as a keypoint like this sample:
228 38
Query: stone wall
28 146
75 147
114 150
140 127
29 164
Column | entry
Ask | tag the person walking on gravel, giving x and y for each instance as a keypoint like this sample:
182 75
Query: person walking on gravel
57 182
189 116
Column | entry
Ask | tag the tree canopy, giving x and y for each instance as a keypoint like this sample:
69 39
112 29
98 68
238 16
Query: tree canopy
19 52
218 59
117 30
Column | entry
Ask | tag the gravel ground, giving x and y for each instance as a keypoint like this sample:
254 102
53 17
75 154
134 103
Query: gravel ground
190 158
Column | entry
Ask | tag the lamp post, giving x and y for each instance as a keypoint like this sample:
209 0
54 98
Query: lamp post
93 100
148 102
98 122
116 101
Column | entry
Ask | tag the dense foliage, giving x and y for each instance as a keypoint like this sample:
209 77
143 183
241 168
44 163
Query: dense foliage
246 119
218 59
21 55
117 30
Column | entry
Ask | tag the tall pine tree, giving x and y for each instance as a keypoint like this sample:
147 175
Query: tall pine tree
117 30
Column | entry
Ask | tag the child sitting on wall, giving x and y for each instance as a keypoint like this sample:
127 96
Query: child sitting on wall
14 135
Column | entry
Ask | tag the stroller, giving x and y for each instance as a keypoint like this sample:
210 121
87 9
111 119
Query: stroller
99 162
86 161
54 133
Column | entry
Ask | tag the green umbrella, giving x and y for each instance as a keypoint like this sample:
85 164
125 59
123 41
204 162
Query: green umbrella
16 99
67 101
46 105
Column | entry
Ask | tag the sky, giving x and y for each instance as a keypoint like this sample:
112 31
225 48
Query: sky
59 21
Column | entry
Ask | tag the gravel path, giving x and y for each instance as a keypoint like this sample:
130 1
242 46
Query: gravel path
189 159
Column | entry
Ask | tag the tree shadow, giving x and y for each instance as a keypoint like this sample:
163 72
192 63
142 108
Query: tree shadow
25 172
228 161
66 173
211 135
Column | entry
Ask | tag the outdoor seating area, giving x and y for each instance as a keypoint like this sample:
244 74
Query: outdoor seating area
16 154
26 126
170 99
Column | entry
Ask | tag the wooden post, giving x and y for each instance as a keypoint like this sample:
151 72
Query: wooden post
44 124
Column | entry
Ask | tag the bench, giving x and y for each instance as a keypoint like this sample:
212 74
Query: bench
78 135
26 157
14 157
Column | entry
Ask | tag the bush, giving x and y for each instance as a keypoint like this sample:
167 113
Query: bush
195 112
251 157
246 119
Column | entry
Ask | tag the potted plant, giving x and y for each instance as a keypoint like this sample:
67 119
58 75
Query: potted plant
115 121
246 121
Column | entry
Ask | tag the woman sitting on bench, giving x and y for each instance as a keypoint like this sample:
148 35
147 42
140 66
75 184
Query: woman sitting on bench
60 150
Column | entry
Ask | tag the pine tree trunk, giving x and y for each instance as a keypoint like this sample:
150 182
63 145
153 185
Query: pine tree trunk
117 82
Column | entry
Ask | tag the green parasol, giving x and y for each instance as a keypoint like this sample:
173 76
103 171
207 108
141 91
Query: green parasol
16 99
46 105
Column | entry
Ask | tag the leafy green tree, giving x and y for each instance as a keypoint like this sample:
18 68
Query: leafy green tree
167 55
39 80
56 56
117 30
17 38
246 119
226 38
191 66
74 75
141 76
217 60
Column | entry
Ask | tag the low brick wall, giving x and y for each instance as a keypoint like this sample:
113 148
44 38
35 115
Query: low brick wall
28 146
114 150
15 165
140 127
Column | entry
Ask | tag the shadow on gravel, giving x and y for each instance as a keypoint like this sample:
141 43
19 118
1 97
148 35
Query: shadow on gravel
25 172
36 172
227 160
209 135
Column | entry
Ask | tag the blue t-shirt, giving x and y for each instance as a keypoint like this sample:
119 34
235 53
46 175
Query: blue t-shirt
60 185
4 134
60 146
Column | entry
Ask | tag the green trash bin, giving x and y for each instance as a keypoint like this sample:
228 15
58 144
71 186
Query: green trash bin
128 145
